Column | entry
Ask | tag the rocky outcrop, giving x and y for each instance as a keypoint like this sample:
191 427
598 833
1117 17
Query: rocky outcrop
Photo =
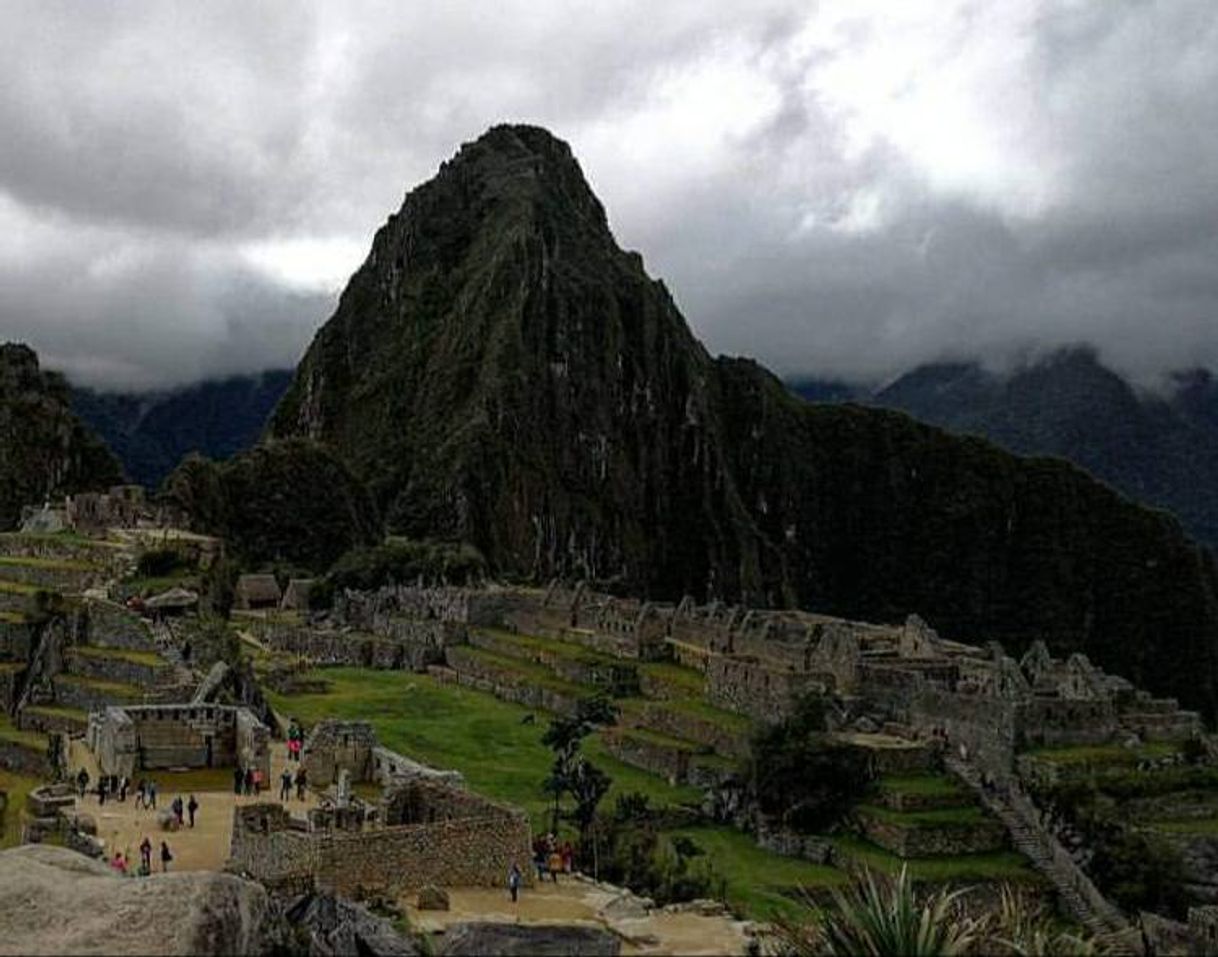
550 940
500 372
55 901
45 451
339 928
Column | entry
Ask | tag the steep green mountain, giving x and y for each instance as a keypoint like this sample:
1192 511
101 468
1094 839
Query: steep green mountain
500 372
290 502
151 432
1161 450
45 451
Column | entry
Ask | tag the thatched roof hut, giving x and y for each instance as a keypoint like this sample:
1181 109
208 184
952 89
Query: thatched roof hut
257 592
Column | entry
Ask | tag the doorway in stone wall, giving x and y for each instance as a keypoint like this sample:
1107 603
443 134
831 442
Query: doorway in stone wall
207 740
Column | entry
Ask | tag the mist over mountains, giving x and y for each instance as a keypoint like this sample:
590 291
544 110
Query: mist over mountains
151 432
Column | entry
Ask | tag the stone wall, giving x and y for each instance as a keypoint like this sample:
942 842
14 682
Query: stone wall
934 840
758 690
335 745
702 729
113 626
390 768
640 750
115 668
410 645
10 683
17 639
476 672
19 758
454 839
985 725
613 676
1063 722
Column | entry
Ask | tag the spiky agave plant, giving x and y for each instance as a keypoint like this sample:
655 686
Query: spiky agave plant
881 916
1024 928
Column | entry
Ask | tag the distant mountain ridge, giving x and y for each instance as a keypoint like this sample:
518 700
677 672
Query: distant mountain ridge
152 432
1159 449
500 372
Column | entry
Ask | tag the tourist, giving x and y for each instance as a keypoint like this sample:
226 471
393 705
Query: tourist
302 780
101 791
540 857
257 781
82 783
555 865
285 785
166 857
238 779
514 882
152 794
141 795
568 857
249 780
192 808
146 856
178 808
123 784
116 862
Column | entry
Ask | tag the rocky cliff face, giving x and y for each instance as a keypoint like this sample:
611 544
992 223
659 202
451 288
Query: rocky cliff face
44 449
500 371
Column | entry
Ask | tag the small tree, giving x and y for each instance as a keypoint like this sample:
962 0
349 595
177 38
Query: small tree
572 773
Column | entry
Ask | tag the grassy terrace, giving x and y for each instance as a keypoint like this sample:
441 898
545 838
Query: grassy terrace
691 682
17 786
54 711
65 538
923 785
1104 754
964 868
55 564
17 588
30 739
662 740
694 707
116 689
529 672
149 658
1199 826
13 618
962 816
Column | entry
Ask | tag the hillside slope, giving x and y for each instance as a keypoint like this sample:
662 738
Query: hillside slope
45 451
499 371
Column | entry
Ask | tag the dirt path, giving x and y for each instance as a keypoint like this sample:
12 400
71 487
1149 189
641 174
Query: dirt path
202 848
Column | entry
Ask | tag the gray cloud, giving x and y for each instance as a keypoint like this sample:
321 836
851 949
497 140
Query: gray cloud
838 189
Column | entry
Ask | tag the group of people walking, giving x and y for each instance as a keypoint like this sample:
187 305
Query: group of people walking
551 858
120 863
247 781
287 780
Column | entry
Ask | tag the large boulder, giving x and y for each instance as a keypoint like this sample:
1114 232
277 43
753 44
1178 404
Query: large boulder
335 927
55 901
545 940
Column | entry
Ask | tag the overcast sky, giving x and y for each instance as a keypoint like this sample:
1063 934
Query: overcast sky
839 188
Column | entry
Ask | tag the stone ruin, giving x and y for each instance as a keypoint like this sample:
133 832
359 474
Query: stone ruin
334 746
127 740
424 832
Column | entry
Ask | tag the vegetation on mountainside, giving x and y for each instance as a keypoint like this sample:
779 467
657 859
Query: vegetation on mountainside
45 451
797 780
400 562
291 501
524 386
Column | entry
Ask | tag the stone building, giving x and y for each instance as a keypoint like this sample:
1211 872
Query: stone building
127 740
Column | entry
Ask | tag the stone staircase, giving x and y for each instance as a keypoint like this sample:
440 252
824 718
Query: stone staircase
1081 898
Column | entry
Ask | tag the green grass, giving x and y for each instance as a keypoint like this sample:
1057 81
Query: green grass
688 680
17 588
530 673
149 658
663 740
963 816
17 786
194 781
118 689
693 707
54 711
1100 754
1202 827
30 739
460 728
963 868
55 564
66 537
13 618
758 882
923 785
